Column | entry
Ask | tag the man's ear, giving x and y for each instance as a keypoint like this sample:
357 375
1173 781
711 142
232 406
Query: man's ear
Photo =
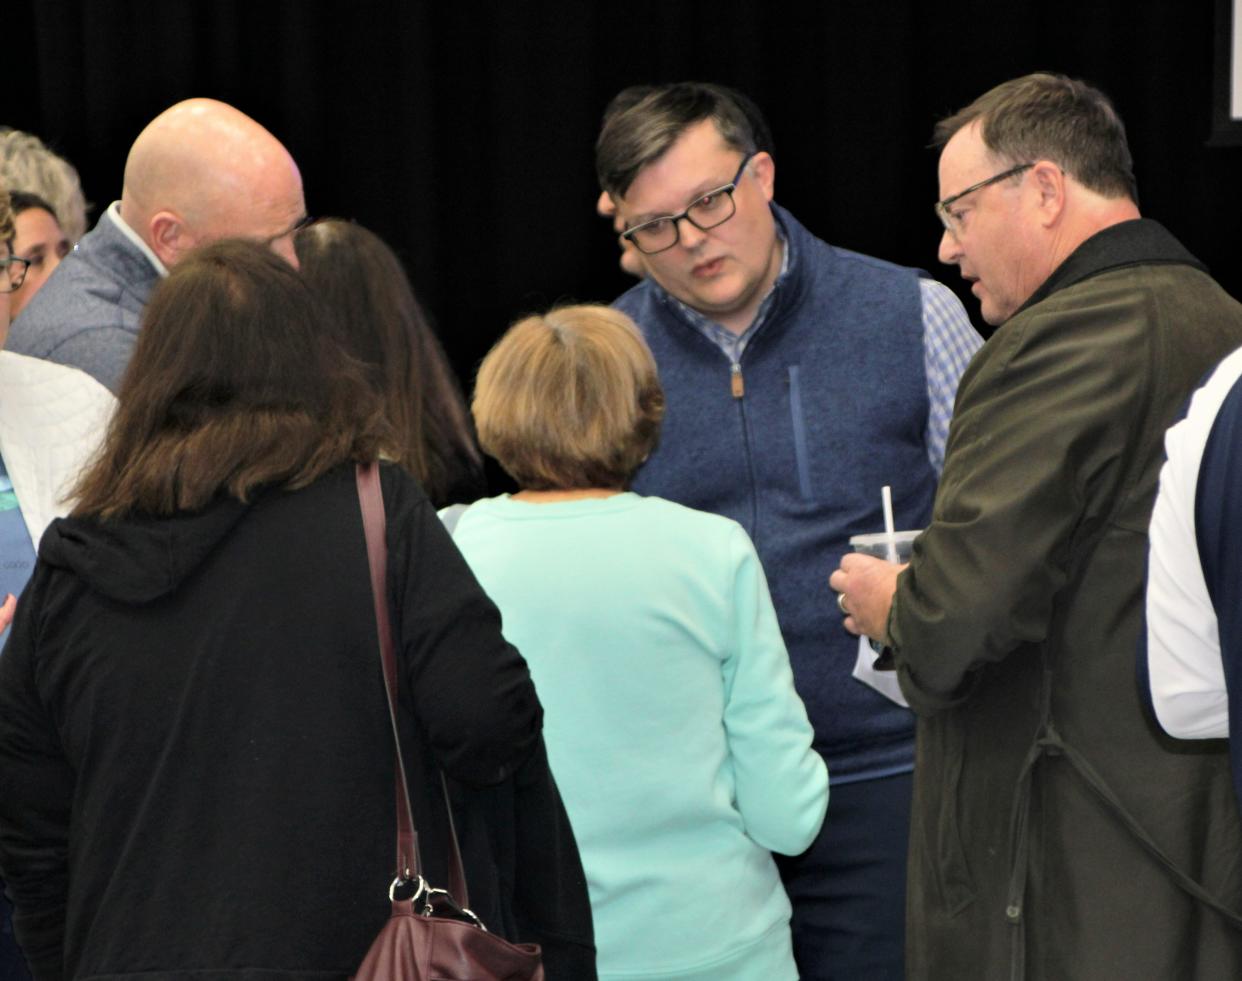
170 239
764 168
1049 182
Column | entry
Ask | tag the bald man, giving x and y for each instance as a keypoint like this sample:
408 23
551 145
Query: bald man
200 171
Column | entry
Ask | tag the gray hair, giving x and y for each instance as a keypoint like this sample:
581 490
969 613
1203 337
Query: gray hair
27 164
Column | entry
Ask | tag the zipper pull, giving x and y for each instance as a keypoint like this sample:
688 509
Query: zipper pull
738 386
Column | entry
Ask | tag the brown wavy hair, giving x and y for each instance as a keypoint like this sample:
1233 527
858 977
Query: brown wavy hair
235 383
377 318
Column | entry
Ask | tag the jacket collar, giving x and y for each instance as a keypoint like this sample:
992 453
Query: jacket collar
117 259
122 226
1140 241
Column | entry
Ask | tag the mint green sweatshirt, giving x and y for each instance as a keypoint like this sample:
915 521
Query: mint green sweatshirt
679 745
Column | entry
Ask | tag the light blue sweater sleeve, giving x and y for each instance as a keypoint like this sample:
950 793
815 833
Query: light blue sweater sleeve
781 782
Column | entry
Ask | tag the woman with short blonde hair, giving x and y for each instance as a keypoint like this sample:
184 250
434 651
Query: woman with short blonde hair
569 399
681 749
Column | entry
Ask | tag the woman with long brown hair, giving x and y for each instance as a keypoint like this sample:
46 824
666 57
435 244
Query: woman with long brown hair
196 758
378 320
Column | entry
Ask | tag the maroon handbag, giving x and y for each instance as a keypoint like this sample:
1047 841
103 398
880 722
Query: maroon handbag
431 935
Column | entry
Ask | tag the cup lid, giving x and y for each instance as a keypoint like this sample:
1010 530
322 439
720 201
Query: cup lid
881 537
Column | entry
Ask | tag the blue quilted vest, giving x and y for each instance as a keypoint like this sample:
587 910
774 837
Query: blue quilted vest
833 405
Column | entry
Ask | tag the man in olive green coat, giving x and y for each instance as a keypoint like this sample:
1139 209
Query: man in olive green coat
1057 833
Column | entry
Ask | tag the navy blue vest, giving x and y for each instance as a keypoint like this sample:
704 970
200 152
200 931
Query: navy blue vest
834 407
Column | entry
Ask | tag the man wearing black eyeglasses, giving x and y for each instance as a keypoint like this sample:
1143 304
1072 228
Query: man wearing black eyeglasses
200 171
1056 832
800 379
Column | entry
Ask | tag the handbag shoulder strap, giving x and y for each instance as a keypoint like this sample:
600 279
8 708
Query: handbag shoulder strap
374 523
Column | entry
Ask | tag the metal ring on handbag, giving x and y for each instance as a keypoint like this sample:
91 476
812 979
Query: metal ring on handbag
422 887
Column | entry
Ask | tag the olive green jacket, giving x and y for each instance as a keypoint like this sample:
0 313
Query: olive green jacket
1052 819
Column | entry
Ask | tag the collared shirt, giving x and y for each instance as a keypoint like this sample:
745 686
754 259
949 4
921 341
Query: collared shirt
949 342
114 213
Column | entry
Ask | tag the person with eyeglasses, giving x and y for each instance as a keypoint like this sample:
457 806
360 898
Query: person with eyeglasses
1057 833
800 379
39 240
199 172
630 260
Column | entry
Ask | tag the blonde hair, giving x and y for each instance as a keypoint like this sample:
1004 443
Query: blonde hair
569 400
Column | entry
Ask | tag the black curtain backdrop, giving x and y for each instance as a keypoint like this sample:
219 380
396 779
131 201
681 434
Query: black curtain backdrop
462 133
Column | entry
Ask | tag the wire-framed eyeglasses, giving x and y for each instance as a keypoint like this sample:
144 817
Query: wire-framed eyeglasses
952 220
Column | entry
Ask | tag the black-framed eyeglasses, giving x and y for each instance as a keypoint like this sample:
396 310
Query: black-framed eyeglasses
952 220
15 268
708 210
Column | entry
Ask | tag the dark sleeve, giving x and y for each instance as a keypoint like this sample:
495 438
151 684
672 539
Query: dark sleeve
36 794
472 692
551 904
523 868
1035 446
1218 531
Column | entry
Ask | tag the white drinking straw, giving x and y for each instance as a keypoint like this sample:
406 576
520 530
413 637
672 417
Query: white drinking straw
886 499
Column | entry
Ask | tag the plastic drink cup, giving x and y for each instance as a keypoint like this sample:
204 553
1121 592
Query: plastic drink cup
877 544
880 544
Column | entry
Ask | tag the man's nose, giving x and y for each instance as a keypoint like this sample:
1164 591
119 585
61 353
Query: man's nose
950 249
689 234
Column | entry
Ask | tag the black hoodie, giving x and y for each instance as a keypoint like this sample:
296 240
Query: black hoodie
196 765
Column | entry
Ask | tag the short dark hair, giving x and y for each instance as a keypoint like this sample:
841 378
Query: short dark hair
569 400
235 383
377 319
26 200
643 121
1052 117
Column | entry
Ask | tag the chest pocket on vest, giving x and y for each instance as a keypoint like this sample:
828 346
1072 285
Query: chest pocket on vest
851 435
802 455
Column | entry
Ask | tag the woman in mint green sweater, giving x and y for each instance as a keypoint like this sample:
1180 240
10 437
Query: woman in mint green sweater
677 740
